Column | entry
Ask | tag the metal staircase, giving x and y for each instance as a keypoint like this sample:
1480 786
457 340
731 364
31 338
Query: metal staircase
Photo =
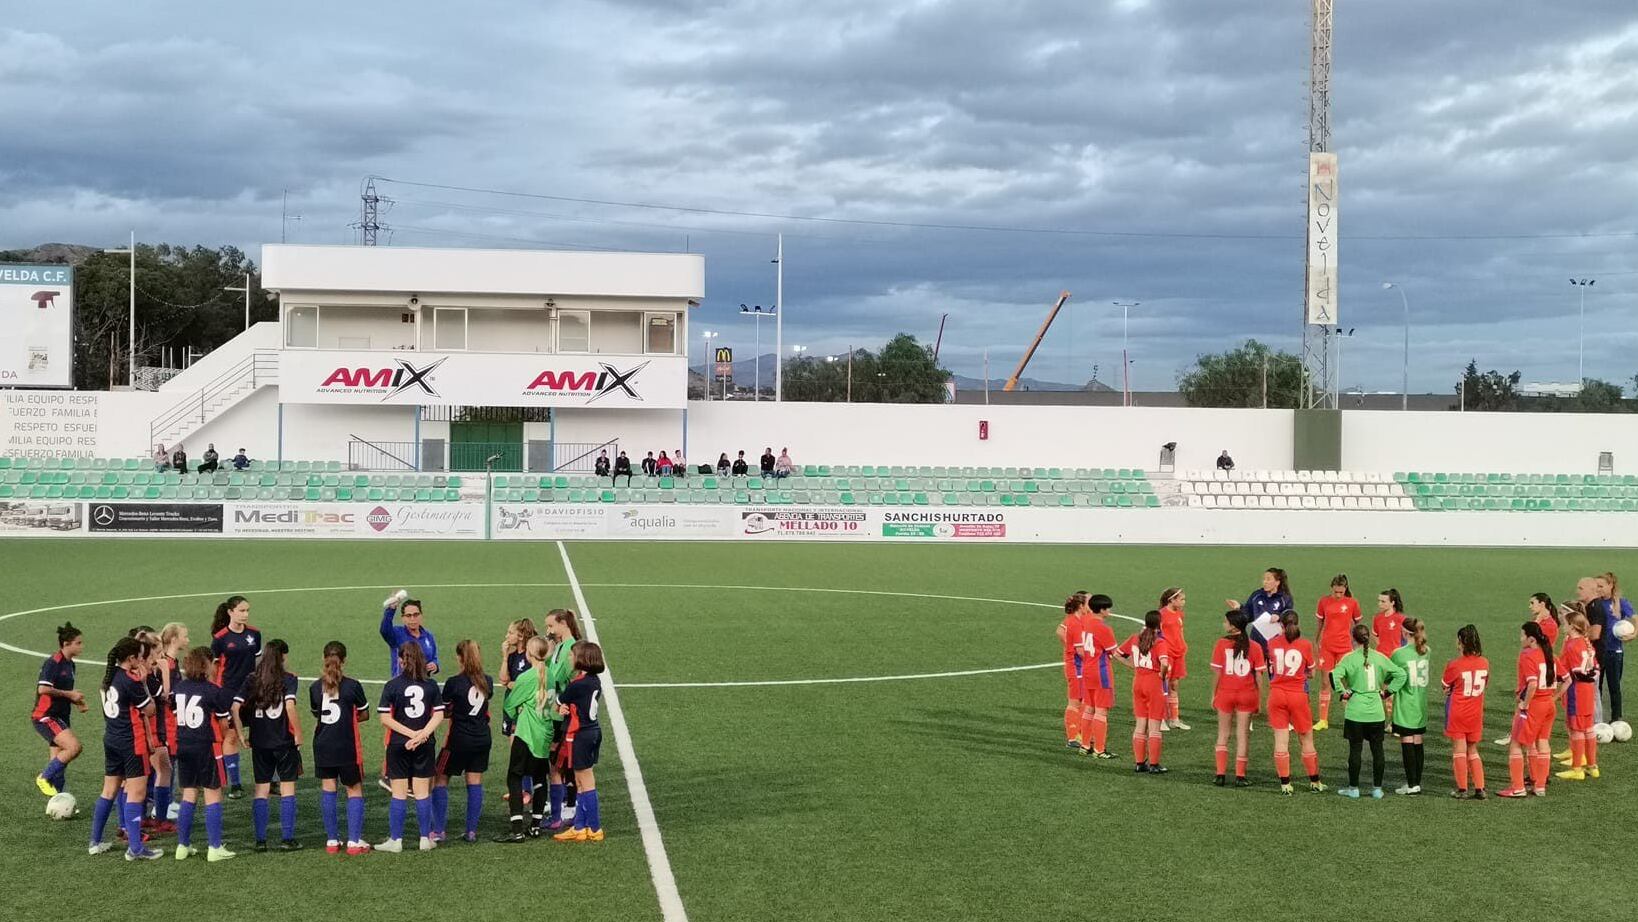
253 372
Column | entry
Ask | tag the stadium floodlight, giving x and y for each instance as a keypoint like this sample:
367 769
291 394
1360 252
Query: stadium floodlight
1404 400
130 345
758 313
246 290
1581 352
1125 361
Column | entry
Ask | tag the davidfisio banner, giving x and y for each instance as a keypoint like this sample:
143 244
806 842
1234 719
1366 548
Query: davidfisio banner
507 379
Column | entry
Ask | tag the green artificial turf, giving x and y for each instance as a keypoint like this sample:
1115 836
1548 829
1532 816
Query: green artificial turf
929 798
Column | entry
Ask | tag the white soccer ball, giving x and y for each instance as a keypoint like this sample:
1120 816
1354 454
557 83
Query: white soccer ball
61 806
1622 731
1604 732
1624 630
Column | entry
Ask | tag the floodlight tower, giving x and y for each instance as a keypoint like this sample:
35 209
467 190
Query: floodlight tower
1320 392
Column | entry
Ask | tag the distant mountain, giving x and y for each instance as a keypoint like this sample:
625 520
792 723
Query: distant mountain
70 253
964 383
745 371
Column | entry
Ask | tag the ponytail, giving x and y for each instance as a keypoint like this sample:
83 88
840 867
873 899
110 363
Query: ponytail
1279 575
1533 631
1291 624
1547 601
568 618
335 657
66 634
1341 579
1237 632
1151 630
537 651
1395 599
414 662
1419 634
123 649
1362 640
169 634
220 620
471 657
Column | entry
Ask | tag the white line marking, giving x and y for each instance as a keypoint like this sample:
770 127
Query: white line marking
659 866
868 678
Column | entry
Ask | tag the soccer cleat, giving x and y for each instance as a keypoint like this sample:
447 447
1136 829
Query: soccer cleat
98 848
1287 790
1513 792
235 792
469 837
1141 768
1478 794
163 828
147 854
184 852
173 811
384 784
1351 793
572 835
1563 756
554 825
1504 741
1376 793
1317 787
1241 782
290 845
1158 769
1574 774
1538 792
1321 725
1220 780
46 787
391 846
427 844
533 832
1592 772
1165 726
219 854
261 845
332 847
510 837
1103 754
1180 725
1567 763
595 835
358 848
1459 794
1072 745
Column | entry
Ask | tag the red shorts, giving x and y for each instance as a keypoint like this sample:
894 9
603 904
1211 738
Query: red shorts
1096 697
1330 656
1289 709
1148 701
1579 724
1580 701
1536 724
1230 701
1179 664
1077 690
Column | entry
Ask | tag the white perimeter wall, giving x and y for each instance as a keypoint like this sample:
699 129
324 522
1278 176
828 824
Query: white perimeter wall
1381 440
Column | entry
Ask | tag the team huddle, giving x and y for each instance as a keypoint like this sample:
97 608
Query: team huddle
1262 664
177 717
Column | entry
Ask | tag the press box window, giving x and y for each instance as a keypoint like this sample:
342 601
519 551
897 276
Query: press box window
662 334
301 328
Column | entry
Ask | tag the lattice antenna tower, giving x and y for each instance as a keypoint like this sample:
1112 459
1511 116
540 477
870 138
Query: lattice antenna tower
369 222
1316 339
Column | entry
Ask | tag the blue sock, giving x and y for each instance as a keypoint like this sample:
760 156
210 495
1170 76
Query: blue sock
558 791
355 819
440 809
231 763
287 817
395 818
99 818
474 807
50 772
162 803
423 815
184 823
213 824
133 827
327 808
528 786
587 801
258 810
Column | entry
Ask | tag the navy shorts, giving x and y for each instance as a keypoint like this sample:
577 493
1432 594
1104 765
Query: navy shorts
345 775
49 727
452 762
419 762
584 749
123 763
199 768
283 764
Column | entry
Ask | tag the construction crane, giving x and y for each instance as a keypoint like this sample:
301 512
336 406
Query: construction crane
1012 382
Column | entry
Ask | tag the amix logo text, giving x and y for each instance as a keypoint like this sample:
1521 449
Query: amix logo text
597 384
388 382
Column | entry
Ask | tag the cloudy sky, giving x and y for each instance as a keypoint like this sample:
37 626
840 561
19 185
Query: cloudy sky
1147 150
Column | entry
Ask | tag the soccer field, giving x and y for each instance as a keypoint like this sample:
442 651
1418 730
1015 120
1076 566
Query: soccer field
945 793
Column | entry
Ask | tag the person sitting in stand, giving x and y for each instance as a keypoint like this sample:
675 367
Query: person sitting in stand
679 465
782 466
241 460
1224 462
767 462
740 467
179 459
622 466
663 466
212 460
602 467
162 458
649 465
722 464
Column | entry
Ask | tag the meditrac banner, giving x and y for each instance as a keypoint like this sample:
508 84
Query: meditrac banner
484 379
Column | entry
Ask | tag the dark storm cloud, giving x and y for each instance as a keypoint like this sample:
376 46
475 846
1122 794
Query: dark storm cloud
1455 118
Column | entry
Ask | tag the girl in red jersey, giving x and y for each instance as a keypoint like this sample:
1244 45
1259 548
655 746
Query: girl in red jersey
1098 679
1171 628
1533 722
1240 668
1464 681
1579 665
1546 615
1388 629
1148 653
1069 634
1290 664
1336 615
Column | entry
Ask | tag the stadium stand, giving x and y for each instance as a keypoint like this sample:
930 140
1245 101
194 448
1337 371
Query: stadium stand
1436 492
292 481
1246 489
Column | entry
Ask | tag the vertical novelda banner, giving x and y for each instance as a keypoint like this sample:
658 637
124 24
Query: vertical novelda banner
1322 239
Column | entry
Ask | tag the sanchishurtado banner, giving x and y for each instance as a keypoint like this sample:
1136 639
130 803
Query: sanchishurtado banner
504 379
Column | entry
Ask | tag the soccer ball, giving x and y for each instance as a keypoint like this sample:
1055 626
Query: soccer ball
1622 731
1604 732
61 806
1623 630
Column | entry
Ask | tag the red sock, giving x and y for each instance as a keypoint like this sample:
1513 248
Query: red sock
1239 767
1325 704
1475 767
1539 764
1222 759
1100 733
1072 722
1172 706
1085 727
1458 763
1154 749
1578 752
1140 752
1282 765
1589 746
1515 770
1310 764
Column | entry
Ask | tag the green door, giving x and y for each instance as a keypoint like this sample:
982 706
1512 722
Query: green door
471 443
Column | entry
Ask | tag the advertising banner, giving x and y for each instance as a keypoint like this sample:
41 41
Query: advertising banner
1322 239
671 521
154 518
316 520
804 523
43 424
943 524
544 520
40 517
37 315
503 379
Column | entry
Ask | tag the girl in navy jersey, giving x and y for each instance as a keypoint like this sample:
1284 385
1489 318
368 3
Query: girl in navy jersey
274 738
466 747
171 642
339 703
514 662
51 709
235 644
582 739
412 709
126 707
202 710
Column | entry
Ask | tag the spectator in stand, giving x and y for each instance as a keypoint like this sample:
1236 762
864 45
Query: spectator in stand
679 465
767 462
648 465
722 464
782 466
1224 462
740 467
622 466
602 467
162 458
212 460
179 459
241 460
663 466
